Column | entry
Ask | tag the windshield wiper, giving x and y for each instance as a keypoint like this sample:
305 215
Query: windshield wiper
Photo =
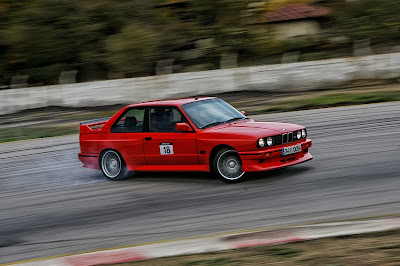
224 122
235 119
213 124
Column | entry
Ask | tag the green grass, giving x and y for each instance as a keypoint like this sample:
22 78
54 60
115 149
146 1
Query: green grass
397 246
332 100
57 118
212 261
284 252
88 116
23 133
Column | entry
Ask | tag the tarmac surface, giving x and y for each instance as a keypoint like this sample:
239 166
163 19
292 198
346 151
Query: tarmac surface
50 205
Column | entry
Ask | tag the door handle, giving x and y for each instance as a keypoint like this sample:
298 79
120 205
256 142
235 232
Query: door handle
147 138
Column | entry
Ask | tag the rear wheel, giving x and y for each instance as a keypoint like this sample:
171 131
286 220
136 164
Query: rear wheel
228 166
113 166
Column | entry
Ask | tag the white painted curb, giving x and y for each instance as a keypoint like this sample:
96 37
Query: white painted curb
218 243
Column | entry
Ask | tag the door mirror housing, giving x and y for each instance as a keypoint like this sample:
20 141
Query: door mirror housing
243 113
183 127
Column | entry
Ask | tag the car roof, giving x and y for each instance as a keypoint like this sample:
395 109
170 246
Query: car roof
171 102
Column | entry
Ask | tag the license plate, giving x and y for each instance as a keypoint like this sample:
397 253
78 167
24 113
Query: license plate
291 150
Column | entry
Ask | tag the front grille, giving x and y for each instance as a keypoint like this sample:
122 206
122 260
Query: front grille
287 137
277 140
284 138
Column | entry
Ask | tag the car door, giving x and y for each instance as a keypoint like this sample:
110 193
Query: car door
127 136
163 145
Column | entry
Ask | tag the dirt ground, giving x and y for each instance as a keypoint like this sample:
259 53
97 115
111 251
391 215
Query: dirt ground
382 248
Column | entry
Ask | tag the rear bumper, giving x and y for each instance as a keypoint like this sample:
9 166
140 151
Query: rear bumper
89 160
269 159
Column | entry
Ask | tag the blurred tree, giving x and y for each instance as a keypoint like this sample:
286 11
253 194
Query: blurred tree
133 51
377 20
40 38
43 37
3 43
273 5
231 27
222 20
262 43
34 36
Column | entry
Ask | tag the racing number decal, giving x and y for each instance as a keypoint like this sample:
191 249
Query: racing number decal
166 149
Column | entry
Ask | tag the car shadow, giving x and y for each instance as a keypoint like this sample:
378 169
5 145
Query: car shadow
172 177
204 177
280 173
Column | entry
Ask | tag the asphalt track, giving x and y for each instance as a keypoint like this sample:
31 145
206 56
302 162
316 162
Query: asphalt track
50 205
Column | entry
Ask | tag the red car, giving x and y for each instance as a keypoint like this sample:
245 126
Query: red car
194 134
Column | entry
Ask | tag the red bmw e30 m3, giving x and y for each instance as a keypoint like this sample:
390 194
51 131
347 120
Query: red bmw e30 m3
193 134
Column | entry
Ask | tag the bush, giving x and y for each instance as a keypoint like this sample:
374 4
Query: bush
133 50
377 20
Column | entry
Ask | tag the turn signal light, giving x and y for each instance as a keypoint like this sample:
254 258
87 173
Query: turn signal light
267 154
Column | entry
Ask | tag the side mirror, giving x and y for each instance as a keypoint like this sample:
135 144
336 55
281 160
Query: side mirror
183 127
243 113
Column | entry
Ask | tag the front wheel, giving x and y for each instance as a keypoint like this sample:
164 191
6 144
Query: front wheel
113 166
228 166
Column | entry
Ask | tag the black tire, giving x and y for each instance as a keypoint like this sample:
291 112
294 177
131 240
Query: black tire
113 166
228 166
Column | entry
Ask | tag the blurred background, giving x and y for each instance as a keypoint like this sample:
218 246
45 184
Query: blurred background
265 56
46 42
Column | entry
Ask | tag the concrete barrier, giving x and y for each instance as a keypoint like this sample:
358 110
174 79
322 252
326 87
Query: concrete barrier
301 76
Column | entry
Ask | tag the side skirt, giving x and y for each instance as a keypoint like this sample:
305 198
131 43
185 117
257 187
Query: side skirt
172 168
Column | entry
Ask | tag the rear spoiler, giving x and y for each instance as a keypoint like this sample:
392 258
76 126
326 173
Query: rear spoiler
92 126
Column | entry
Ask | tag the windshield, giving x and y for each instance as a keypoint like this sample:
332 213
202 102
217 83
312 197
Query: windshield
212 112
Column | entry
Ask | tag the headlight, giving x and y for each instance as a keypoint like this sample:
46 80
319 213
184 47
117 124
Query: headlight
269 141
304 133
261 142
299 134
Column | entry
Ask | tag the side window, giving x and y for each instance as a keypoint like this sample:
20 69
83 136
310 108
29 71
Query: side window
163 119
131 121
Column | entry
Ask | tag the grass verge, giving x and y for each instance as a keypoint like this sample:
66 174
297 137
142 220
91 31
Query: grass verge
51 122
24 133
380 248
332 100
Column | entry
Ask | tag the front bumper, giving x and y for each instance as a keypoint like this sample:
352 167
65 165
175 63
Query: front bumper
89 160
271 158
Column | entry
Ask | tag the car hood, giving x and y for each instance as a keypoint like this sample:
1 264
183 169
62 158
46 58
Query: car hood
259 129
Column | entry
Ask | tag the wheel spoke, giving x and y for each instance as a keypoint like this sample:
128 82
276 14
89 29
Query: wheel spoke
229 165
111 164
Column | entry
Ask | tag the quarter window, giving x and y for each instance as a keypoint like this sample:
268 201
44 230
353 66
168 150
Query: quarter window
131 121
